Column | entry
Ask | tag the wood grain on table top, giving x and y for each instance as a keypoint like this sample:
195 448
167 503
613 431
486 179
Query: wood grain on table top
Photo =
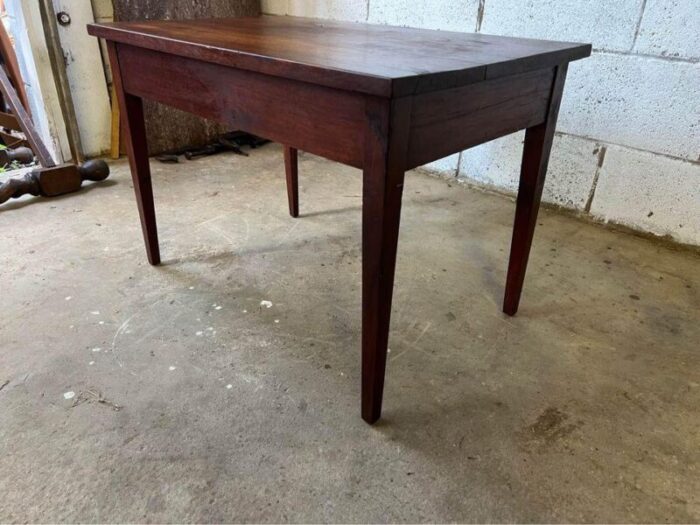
374 59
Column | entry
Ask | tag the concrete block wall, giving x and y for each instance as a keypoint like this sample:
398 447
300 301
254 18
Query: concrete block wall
627 148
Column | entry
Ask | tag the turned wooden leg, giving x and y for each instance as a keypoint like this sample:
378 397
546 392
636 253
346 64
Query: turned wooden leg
383 176
538 144
131 111
291 167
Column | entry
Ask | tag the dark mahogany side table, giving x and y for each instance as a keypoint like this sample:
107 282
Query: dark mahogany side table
380 98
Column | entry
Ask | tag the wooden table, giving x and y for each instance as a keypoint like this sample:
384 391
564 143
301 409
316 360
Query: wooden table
380 98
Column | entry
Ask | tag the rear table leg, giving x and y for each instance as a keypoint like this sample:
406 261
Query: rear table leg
538 144
291 167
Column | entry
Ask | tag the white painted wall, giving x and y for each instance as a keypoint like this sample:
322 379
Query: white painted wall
86 77
628 141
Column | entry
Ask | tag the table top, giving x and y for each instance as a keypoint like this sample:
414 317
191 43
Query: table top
374 59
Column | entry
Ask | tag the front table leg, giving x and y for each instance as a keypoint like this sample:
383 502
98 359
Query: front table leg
131 110
538 145
382 186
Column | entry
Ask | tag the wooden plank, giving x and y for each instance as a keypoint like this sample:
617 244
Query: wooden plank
11 141
58 66
8 120
25 122
312 118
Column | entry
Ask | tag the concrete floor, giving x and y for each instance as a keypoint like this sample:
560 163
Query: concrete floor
194 402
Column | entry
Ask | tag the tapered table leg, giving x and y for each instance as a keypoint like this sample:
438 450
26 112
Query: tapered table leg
538 145
291 167
137 149
383 176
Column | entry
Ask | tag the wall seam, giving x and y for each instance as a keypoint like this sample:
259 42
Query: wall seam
646 55
459 165
609 143
367 15
601 158
639 24
480 15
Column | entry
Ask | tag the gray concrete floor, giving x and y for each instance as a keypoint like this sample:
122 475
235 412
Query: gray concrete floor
584 407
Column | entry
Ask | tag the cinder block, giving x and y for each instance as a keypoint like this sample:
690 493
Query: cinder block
456 15
641 102
607 25
274 7
353 11
670 28
649 192
572 167
446 166
495 163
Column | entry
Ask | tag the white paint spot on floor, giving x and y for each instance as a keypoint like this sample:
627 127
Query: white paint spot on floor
277 320
69 298
266 304
229 386
211 328
68 395
171 368
191 287
248 378
91 363
96 349
218 308
95 312
101 322
199 332
245 311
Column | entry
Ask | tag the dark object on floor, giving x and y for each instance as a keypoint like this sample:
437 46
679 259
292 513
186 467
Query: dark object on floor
232 141
168 158
232 146
20 155
56 180
241 138
204 151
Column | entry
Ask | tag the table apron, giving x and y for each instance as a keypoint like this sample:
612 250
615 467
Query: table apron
324 121
331 122
448 121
